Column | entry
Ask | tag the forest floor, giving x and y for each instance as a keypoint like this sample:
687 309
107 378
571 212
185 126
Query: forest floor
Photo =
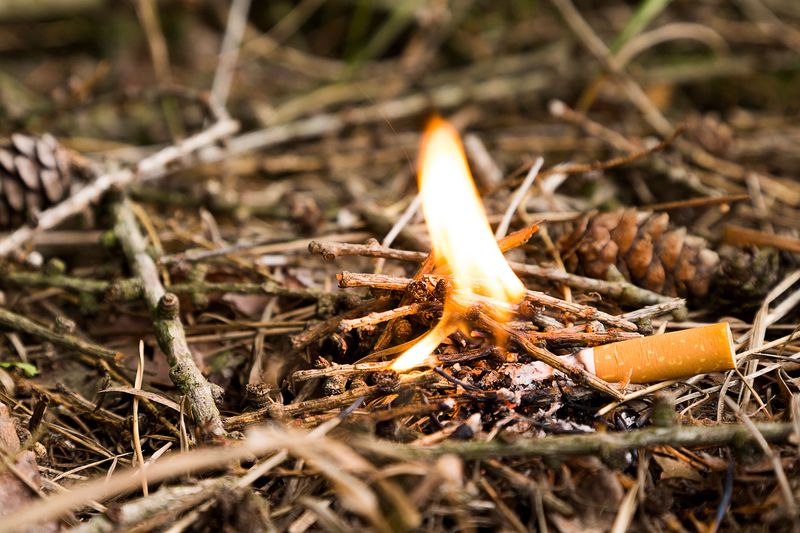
213 269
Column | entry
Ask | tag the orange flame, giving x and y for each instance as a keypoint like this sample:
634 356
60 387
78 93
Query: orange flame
463 243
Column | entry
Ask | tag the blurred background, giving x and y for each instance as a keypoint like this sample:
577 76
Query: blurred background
110 75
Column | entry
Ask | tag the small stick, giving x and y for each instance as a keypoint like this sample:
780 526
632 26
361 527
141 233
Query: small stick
326 327
384 316
340 370
169 331
519 195
330 250
656 309
278 411
231 43
583 311
623 291
65 340
393 283
740 236
696 202
589 444
385 282
155 166
583 337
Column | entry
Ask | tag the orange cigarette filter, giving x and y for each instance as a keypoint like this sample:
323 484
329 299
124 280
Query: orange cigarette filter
673 355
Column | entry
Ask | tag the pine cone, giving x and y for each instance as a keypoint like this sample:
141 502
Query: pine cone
35 173
640 247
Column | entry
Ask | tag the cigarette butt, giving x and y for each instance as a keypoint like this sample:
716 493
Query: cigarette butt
673 355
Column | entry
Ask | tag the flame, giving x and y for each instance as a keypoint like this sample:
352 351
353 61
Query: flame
463 244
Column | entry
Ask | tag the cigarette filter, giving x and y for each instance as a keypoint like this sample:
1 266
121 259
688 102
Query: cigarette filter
660 357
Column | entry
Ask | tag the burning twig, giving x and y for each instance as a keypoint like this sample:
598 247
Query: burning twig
582 337
394 283
509 242
622 291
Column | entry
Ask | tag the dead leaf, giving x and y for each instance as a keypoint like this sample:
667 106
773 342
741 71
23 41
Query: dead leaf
14 492
673 468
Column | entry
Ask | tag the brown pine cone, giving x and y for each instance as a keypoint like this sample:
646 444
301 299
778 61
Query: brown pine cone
35 173
640 247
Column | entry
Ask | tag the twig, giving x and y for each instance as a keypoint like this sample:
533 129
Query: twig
331 250
340 370
253 248
168 327
151 167
137 443
589 444
502 227
376 318
696 202
624 292
581 337
326 327
401 223
326 403
740 236
393 283
234 31
650 311
65 340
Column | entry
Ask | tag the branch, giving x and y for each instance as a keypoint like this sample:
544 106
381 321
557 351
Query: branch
169 331
65 340
593 443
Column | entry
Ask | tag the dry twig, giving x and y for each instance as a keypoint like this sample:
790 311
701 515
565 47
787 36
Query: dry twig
168 327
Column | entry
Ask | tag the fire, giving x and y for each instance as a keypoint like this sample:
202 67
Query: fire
463 244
